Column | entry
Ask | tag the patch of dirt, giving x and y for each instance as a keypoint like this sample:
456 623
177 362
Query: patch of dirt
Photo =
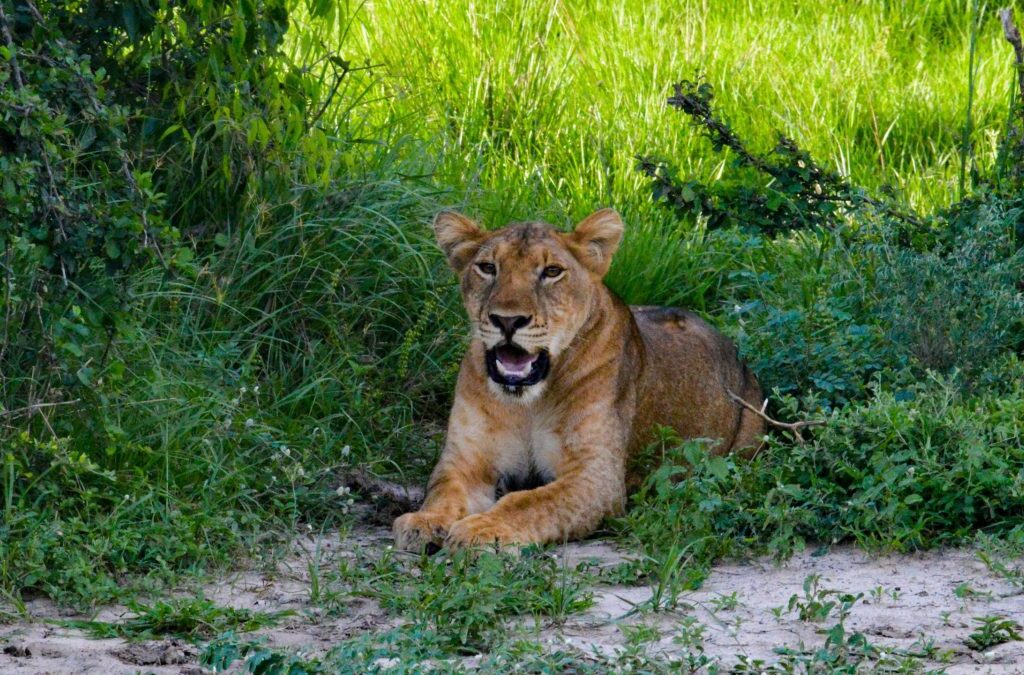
907 600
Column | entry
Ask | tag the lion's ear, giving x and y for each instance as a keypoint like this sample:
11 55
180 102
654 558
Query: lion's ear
596 238
459 238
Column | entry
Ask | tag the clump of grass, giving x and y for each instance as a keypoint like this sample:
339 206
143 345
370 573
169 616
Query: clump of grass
186 617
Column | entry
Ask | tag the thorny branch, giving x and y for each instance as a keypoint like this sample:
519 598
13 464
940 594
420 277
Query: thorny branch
792 427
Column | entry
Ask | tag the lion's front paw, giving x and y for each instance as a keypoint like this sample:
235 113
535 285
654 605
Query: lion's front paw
481 529
417 531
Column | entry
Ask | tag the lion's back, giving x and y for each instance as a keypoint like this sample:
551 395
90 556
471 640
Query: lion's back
690 370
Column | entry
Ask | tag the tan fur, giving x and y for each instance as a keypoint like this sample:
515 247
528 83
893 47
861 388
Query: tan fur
615 373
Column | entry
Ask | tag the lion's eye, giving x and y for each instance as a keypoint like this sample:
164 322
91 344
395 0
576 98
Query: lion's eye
552 271
487 268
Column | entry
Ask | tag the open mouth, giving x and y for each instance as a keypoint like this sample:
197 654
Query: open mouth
512 366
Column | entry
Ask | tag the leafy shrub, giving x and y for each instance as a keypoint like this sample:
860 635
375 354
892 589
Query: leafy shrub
78 209
917 467
124 125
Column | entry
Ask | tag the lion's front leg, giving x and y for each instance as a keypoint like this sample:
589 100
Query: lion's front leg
453 493
570 507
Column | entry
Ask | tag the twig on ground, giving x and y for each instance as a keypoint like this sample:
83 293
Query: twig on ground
35 407
389 499
792 427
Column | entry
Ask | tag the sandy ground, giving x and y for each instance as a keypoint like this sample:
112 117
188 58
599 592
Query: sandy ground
918 599
906 598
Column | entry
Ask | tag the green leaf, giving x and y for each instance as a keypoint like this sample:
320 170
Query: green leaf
84 375
718 467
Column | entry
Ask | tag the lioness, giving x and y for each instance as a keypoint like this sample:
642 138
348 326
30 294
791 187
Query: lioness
562 384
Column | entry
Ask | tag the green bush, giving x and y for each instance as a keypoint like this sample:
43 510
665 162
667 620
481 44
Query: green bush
916 467
78 210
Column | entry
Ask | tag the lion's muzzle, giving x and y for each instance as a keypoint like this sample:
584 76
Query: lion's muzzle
513 367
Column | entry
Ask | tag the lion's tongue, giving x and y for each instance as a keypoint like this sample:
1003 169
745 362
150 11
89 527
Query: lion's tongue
513 361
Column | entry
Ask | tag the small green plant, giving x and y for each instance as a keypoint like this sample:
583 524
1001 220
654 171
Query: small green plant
816 604
725 603
877 593
690 637
669 579
992 631
640 634
843 651
964 591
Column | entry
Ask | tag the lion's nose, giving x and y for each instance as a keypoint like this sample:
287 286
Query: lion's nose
509 324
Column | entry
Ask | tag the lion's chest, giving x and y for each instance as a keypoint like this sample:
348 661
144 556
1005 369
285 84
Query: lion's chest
545 451
532 459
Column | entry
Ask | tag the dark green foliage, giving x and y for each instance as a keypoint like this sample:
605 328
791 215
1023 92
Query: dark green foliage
863 286
917 467
78 209
870 306
957 305
992 631
465 598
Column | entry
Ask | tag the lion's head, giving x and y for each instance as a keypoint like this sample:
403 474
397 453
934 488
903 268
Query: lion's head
528 289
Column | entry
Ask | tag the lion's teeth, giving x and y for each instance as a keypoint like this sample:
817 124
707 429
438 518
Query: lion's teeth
505 370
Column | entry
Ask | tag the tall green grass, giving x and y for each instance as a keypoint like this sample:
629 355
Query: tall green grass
537 109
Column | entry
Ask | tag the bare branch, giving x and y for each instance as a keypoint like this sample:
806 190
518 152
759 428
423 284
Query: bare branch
792 427
19 82
1013 37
